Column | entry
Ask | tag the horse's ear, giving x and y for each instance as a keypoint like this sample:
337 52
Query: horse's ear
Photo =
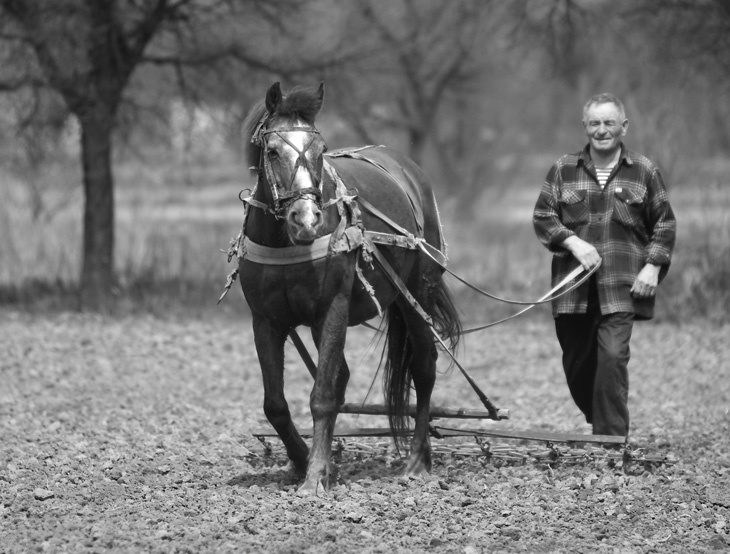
273 98
320 94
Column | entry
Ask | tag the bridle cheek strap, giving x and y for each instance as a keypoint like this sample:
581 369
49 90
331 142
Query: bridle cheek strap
300 162
281 201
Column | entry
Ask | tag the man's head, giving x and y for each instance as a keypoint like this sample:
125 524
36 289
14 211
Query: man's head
605 123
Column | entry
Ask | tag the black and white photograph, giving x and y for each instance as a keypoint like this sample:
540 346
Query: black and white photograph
364 276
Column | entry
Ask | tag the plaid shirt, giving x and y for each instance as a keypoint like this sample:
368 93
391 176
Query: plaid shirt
629 222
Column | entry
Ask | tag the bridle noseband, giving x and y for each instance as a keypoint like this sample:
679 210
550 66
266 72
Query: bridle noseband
283 197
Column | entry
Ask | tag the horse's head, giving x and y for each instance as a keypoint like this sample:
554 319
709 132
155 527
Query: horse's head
290 151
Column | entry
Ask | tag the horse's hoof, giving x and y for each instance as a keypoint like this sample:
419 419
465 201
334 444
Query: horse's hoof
416 469
312 487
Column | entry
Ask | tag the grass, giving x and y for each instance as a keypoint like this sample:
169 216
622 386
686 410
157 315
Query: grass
171 225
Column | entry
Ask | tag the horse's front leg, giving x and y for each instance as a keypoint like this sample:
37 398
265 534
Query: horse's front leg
328 393
270 348
343 374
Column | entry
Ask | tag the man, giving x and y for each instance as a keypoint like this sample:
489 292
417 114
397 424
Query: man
605 203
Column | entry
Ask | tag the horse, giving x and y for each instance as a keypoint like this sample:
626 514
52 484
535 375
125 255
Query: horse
304 261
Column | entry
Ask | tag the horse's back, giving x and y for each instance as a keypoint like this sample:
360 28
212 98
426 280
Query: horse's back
394 184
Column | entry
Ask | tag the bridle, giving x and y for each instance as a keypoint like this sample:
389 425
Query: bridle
284 196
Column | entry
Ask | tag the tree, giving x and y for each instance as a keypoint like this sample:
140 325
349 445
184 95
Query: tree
413 55
657 55
694 47
86 51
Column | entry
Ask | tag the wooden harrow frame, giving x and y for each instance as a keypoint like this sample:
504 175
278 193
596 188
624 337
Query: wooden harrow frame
564 448
610 446
576 447
491 413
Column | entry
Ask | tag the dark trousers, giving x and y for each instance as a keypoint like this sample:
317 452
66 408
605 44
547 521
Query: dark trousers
595 360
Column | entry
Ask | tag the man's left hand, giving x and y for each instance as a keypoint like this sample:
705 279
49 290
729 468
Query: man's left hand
646 282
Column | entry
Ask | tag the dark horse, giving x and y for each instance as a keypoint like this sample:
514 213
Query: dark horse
303 261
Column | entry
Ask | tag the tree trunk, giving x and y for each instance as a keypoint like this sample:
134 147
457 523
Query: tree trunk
97 273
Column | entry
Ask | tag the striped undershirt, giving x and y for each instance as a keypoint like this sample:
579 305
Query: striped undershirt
602 175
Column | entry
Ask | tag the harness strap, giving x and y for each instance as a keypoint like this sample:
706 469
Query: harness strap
351 239
433 253
369 288
256 204
347 241
397 282
407 242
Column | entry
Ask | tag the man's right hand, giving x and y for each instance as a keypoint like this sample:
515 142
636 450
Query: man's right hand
584 252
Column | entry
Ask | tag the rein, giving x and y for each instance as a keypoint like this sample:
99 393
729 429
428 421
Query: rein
438 257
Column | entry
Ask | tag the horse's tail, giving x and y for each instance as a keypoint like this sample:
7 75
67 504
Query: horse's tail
445 317
397 375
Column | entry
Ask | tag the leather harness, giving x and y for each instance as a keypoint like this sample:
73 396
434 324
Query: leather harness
350 236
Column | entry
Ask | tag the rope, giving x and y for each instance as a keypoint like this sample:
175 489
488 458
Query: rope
429 250
546 298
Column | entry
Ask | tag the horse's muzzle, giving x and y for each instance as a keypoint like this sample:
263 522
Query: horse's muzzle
304 220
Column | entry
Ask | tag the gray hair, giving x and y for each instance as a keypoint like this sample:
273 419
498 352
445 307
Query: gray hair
605 98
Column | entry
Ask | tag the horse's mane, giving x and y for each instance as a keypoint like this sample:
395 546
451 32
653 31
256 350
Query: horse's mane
252 151
298 103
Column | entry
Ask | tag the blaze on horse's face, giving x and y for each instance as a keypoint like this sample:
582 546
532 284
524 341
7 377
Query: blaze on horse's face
294 150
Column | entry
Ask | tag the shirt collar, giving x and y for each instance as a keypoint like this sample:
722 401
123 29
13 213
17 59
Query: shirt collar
585 156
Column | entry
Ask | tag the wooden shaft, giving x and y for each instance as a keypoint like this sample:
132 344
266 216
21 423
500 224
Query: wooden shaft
304 353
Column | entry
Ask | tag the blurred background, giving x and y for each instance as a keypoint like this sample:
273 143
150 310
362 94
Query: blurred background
120 132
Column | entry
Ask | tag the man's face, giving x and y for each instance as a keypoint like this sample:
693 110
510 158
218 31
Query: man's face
605 128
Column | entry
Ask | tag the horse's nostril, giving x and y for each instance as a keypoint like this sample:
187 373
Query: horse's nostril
305 214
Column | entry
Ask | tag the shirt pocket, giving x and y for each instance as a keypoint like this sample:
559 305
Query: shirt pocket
573 207
628 207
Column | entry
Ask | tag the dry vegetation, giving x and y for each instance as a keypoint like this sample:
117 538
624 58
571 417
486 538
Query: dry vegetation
134 434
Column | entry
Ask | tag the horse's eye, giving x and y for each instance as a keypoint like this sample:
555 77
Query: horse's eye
273 155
